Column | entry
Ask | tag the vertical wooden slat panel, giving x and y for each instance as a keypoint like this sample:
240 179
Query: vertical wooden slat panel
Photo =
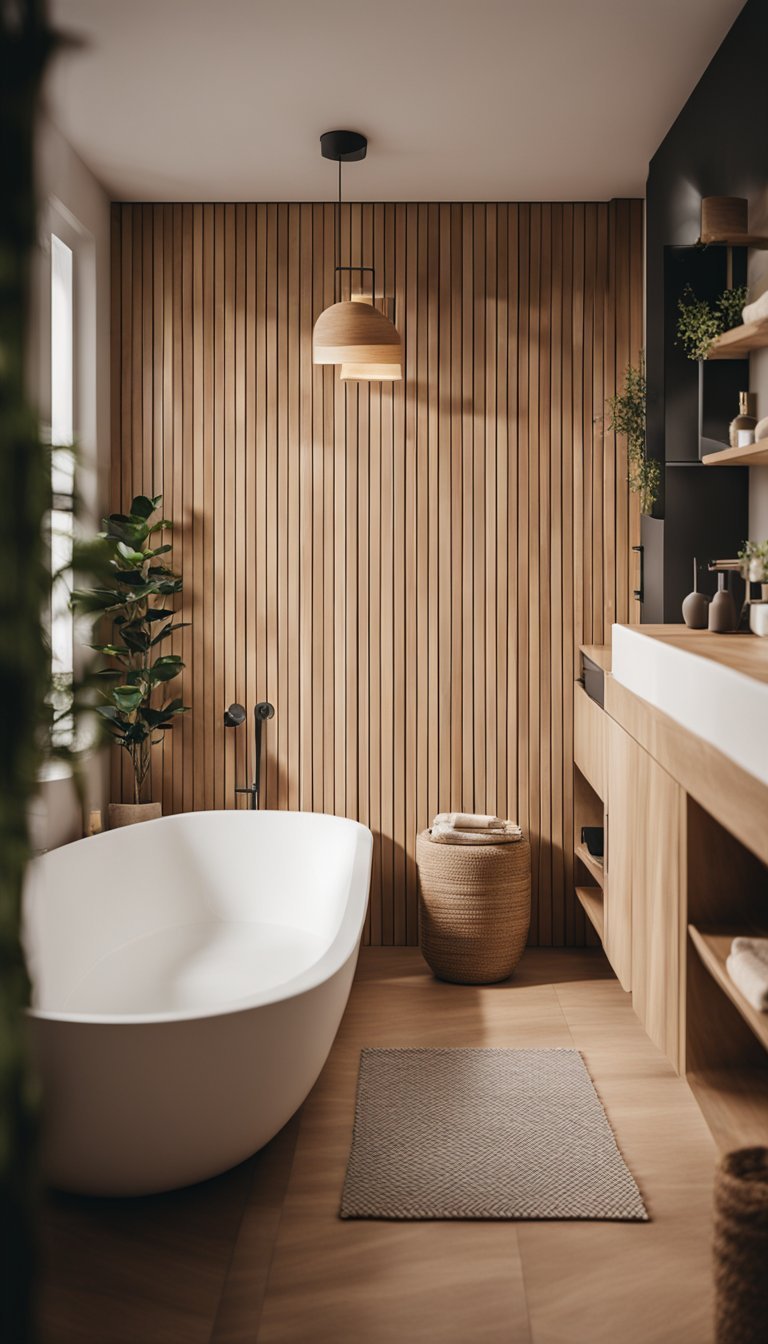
405 570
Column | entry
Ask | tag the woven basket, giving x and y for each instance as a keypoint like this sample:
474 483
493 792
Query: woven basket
741 1247
474 908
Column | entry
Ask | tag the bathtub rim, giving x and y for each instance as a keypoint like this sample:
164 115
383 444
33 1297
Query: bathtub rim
333 959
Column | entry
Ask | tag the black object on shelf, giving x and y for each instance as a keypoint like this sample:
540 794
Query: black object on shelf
593 678
592 837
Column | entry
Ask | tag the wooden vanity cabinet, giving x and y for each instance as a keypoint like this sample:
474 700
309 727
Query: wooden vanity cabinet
645 887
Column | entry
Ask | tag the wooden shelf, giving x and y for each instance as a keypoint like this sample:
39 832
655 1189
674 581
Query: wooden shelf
713 948
734 1103
734 240
593 866
737 343
755 455
591 899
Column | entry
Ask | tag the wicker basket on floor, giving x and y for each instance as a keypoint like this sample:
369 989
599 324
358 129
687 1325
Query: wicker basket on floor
474 908
741 1247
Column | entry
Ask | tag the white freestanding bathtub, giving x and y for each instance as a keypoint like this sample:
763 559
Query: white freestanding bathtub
189 976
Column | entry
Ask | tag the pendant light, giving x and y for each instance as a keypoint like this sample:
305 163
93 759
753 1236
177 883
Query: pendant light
354 333
369 373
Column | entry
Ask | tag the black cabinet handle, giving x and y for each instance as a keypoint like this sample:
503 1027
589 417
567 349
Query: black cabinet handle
640 592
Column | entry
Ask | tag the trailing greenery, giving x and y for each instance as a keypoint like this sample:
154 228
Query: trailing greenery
627 410
26 44
700 323
754 561
134 590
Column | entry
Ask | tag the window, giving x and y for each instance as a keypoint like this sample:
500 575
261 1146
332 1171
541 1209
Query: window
62 484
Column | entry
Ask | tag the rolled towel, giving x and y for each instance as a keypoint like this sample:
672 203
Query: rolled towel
506 834
748 968
468 821
752 312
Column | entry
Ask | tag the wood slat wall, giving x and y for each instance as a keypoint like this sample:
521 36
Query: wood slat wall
406 572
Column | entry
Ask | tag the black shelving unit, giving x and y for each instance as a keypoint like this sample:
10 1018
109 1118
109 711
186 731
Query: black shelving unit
700 512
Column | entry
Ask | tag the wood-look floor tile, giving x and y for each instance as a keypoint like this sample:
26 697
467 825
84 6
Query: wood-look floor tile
260 1256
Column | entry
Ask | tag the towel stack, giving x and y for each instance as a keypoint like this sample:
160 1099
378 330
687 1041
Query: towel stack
470 828
754 312
748 968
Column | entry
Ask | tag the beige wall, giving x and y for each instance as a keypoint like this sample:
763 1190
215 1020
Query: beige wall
406 572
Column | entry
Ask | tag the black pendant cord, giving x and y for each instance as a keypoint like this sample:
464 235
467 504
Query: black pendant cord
338 239
337 288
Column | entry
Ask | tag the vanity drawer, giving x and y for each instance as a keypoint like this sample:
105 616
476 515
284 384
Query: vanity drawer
589 738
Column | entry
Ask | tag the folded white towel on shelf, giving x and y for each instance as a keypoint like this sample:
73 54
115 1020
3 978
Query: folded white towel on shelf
748 968
468 821
506 833
752 312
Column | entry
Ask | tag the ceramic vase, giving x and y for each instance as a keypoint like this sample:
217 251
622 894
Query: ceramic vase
723 616
696 605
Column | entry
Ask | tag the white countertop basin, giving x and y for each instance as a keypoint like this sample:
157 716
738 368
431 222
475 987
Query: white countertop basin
726 707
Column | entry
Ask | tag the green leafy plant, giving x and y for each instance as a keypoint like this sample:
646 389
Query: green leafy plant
627 409
700 323
26 46
754 561
134 590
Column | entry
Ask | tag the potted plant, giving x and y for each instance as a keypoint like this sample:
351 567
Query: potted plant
700 323
135 592
754 564
627 410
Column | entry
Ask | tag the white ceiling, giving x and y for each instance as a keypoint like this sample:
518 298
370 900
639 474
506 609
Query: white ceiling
460 99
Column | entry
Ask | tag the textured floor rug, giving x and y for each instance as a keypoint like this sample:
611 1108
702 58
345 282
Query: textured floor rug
495 1134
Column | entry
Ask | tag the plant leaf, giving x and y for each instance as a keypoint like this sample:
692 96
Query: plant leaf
167 667
109 712
128 553
142 507
169 630
127 698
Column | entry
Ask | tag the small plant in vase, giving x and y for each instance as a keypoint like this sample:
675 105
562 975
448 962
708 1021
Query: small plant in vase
627 410
136 590
754 564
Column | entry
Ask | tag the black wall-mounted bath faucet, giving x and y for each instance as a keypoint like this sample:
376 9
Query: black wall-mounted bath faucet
233 717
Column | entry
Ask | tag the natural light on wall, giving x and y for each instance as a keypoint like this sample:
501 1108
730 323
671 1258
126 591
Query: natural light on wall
62 482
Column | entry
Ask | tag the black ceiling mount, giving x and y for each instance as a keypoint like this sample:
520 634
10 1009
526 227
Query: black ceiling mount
343 146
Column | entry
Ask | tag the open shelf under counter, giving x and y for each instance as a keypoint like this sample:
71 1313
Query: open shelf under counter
713 946
591 900
593 866
734 1103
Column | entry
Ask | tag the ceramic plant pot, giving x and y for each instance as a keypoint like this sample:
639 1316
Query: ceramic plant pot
127 814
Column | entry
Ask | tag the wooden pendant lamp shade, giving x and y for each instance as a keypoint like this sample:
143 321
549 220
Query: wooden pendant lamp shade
354 333
371 373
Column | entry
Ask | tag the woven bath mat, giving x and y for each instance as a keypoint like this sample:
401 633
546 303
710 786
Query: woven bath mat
495 1134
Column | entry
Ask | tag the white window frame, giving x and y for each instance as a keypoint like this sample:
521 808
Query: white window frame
58 223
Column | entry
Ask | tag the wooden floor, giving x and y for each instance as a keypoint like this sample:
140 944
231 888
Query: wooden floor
260 1257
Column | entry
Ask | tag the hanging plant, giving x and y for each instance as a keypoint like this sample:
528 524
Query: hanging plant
627 409
700 323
